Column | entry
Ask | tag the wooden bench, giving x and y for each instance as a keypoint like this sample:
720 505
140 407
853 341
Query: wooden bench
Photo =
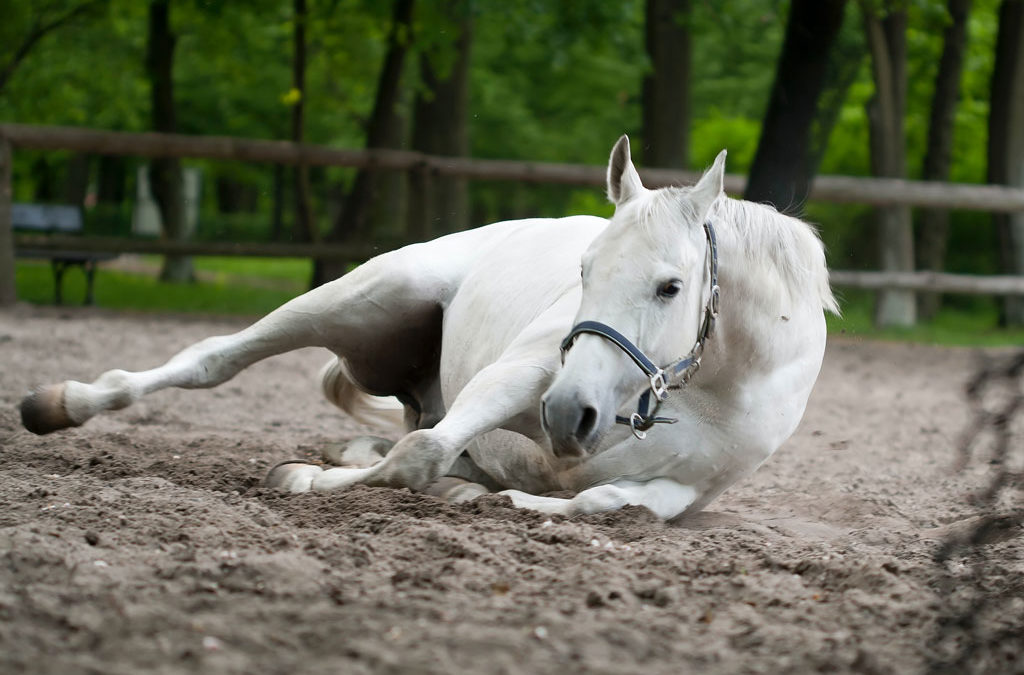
57 219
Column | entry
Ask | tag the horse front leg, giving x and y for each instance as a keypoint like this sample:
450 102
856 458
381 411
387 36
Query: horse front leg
664 496
497 394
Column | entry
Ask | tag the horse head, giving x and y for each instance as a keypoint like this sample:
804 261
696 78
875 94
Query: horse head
649 295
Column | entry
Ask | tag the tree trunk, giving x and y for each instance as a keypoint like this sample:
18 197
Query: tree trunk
165 173
112 174
1006 143
43 190
234 196
666 88
277 204
354 220
887 44
304 227
440 204
8 289
782 170
933 232
76 183
844 64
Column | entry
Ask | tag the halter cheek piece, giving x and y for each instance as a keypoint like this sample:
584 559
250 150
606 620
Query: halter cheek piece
673 376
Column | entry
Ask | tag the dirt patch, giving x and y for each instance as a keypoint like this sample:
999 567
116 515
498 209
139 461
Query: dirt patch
143 543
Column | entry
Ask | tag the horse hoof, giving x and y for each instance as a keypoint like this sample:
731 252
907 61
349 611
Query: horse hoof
42 411
293 475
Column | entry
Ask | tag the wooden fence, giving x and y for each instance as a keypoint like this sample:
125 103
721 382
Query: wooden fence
836 189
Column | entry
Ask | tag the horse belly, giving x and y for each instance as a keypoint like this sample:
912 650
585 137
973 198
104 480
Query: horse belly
510 284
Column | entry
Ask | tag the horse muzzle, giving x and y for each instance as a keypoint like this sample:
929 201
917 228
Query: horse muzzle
571 422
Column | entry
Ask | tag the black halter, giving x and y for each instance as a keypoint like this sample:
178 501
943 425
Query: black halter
675 374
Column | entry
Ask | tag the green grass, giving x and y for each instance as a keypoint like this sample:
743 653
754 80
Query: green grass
973 325
225 294
255 286
296 270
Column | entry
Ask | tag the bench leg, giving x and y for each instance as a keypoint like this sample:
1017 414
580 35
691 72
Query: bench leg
59 266
89 267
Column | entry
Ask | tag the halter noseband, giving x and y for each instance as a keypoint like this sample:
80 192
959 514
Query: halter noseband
673 376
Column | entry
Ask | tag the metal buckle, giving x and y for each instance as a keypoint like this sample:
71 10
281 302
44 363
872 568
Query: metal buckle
659 385
635 420
714 301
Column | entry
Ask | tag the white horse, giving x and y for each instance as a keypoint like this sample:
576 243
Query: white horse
465 332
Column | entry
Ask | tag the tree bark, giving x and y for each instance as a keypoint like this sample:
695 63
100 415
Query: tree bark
666 87
783 165
887 44
76 183
112 173
8 289
40 29
165 173
1006 143
277 204
354 220
304 228
933 232
440 204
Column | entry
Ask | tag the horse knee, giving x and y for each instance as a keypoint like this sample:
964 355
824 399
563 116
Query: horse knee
418 460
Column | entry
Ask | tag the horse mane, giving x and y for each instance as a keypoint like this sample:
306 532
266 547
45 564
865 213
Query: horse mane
760 233
769 242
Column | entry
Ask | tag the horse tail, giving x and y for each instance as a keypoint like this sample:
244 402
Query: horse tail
381 412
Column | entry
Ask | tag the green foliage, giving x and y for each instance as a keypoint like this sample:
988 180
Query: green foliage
549 80
738 135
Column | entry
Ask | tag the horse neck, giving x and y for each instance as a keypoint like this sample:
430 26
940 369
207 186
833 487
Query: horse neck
773 280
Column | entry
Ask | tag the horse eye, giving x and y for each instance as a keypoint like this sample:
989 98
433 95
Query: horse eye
670 289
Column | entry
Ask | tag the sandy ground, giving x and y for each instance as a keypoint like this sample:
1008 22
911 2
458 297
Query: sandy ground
142 542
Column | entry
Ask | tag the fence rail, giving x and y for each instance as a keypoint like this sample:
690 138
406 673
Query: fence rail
839 189
119 245
966 284
836 189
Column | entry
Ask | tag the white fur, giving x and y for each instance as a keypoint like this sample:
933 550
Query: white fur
508 293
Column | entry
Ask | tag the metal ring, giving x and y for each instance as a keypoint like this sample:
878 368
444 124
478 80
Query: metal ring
635 420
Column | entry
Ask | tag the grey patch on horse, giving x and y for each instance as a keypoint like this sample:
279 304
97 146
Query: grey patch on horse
362 451
455 490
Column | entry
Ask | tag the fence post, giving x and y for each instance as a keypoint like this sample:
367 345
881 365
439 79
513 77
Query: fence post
419 220
8 295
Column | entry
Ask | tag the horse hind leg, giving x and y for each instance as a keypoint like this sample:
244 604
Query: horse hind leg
204 364
353 316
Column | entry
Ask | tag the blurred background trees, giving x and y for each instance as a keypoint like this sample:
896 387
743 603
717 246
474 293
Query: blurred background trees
925 89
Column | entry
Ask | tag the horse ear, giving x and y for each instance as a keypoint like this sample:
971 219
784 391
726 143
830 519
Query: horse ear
623 180
710 185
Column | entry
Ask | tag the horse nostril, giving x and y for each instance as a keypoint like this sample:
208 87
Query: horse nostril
588 422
